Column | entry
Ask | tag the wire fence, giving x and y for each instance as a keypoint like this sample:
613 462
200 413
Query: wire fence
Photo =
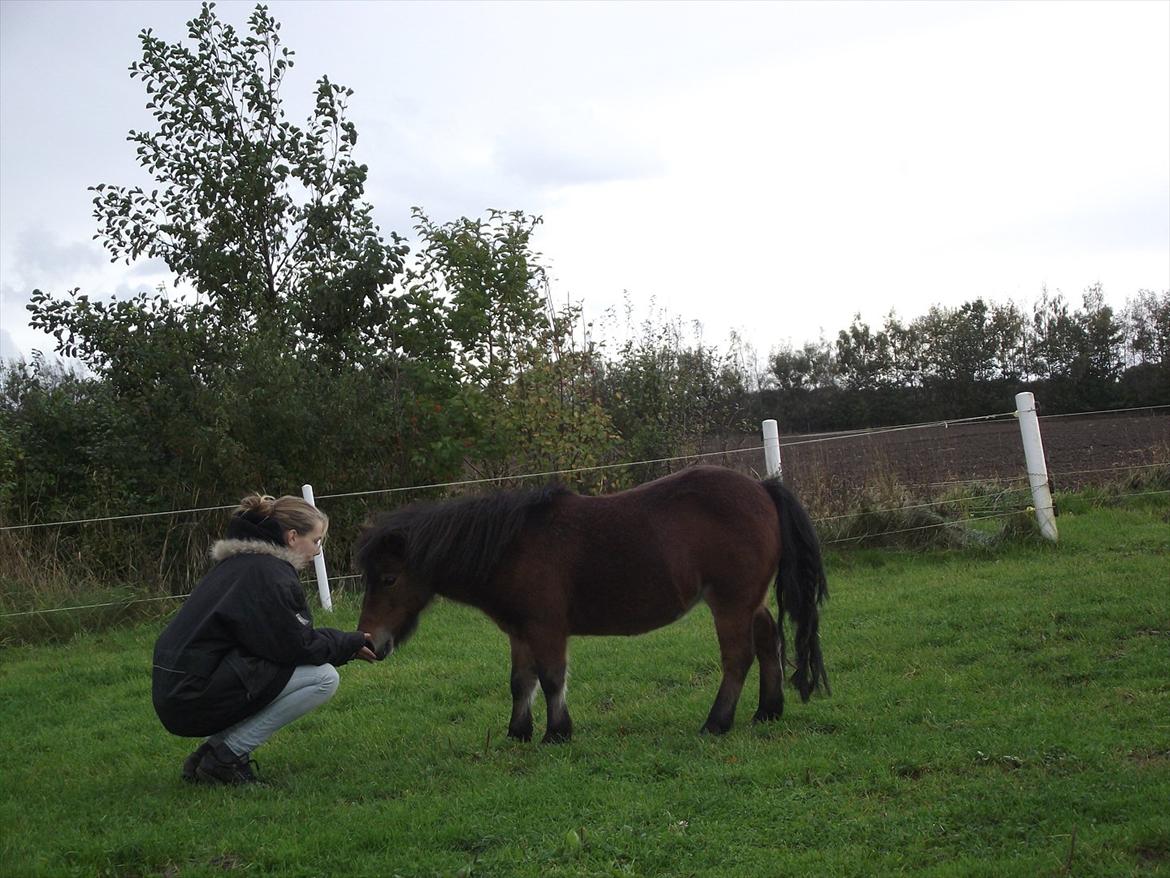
1000 494
853 539
411 488
813 439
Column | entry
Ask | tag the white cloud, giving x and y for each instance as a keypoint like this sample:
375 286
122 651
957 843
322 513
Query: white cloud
40 258
8 348
569 151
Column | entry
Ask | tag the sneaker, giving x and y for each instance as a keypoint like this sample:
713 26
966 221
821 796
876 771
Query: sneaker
220 765
192 762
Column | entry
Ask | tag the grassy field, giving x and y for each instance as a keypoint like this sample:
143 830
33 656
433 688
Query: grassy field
994 714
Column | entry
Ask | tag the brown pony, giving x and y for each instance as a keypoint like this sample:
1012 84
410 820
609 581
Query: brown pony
546 564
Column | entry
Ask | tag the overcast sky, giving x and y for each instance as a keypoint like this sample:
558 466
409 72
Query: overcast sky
765 168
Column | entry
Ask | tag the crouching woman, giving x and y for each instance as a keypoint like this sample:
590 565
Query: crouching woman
242 658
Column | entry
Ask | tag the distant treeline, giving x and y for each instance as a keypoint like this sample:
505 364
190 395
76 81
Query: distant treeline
971 360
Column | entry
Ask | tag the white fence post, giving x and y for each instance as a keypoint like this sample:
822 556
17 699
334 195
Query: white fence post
319 561
1037 467
771 449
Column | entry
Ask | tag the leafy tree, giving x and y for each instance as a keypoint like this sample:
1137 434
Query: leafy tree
669 395
1056 337
863 357
50 418
528 399
263 223
1147 331
1079 353
263 218
952 342
1099 359
907 356
808 368
493 285
1007 330
1147 324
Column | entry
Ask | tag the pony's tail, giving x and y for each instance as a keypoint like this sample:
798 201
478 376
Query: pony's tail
800 587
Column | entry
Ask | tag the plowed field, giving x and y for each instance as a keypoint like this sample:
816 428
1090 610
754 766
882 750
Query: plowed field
1081 450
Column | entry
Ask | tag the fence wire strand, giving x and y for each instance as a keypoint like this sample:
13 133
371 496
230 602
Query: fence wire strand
125 603
920 505
115 517
878 431
544 475
904 530
979 481
1108 469
1142 408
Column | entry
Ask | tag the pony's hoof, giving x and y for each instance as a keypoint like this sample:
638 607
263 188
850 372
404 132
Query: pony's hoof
767 716
520 735
710 728
557 738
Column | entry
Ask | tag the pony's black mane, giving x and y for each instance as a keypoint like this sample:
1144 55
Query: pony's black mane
458 540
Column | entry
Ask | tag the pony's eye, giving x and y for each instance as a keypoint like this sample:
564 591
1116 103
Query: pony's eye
389 580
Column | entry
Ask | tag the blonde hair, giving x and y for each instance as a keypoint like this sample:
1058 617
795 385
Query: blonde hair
291 513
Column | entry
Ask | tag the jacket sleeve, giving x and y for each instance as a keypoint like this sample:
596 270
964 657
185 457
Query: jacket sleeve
275 623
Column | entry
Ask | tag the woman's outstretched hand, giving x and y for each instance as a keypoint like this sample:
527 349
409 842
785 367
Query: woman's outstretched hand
366 653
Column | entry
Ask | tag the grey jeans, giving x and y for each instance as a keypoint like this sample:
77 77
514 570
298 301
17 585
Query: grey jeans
309 687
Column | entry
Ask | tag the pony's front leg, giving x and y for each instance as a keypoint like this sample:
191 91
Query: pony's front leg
523 690
552 669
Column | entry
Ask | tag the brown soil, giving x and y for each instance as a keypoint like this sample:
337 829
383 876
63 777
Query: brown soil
1080 450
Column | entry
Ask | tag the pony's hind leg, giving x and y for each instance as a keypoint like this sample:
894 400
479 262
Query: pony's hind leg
523 690
734 629
767 642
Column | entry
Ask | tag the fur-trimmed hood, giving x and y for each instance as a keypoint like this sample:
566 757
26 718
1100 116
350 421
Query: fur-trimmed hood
221 550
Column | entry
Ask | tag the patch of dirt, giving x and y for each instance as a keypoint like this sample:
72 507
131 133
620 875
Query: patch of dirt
1149 757
1152 853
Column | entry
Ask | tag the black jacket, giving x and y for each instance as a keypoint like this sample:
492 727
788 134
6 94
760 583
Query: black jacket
236 640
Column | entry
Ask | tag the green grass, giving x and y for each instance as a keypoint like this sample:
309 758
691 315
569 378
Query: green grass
994 713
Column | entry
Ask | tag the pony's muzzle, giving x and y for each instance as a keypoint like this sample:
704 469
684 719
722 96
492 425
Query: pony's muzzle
380 643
